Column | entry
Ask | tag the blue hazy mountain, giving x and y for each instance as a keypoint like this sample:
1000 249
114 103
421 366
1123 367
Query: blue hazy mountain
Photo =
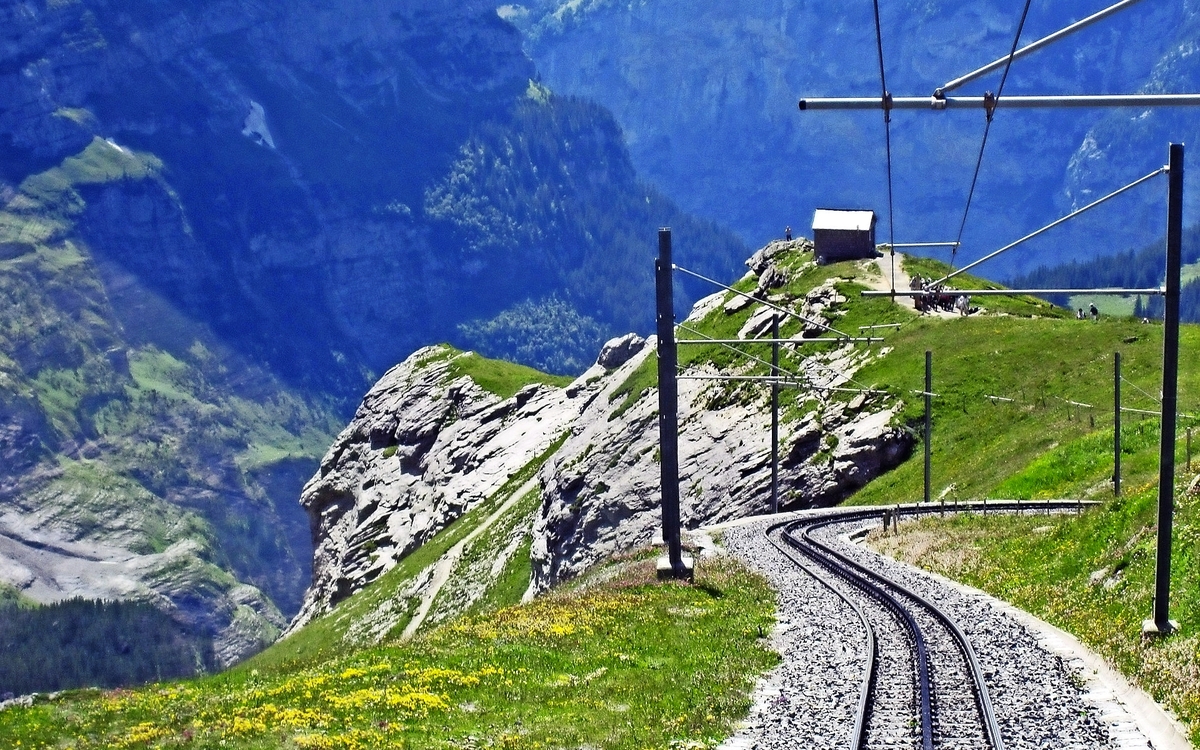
706 92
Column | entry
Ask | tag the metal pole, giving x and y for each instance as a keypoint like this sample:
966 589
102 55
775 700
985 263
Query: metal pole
1035 46
1051 225
928 415
1003 102
1116 477
775 415
668 403
1166 462
1108 291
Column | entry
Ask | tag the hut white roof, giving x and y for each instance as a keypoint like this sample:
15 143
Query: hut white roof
834 218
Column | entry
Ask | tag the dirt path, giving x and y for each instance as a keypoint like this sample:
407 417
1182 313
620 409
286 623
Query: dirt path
883 283
445 564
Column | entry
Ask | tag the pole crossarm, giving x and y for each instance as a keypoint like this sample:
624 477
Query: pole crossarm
918 244
762 302
1002 292
760 360
705 338
1051 225
783 382
825 340
1054 101
1034 46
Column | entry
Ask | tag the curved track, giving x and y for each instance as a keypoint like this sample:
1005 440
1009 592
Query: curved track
922 685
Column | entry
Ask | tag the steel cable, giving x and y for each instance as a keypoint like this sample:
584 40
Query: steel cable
887 129
991 111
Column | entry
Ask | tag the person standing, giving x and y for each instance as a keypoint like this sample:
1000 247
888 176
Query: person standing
787 233
1095 313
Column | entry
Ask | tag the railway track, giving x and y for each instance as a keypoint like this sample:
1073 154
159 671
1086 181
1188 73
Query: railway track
922 686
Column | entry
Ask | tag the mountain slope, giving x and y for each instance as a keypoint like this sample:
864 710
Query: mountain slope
707 93
217 219
315 175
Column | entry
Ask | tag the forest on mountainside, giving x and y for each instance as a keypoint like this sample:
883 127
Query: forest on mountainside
80 642
1134 269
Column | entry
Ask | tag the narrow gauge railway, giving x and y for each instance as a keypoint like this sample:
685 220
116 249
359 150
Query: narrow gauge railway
922 686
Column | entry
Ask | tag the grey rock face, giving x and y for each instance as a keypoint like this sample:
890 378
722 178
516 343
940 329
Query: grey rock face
601 489
424 447
619 350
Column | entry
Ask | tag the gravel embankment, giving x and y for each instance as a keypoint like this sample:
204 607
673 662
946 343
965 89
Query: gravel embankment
1039 701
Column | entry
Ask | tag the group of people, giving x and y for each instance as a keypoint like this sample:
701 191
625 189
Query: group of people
937 297
1092 311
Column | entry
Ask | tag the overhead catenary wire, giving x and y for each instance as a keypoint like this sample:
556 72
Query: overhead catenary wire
887 130
991 111
798 375
1139 389
742 352
764 303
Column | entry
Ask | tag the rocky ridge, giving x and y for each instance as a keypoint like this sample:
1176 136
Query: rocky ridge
426 446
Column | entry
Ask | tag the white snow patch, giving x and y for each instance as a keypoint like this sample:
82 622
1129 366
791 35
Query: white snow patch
256 126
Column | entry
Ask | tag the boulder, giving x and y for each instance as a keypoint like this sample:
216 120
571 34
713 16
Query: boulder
617 352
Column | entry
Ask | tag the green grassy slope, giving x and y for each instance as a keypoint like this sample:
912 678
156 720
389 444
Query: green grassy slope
598 666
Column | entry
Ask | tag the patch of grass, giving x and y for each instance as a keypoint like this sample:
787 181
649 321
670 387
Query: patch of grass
502 378
1107 305
1020 306
1045 565
158 372
635 386
1042 364
598 667
473 569
10 596
54 190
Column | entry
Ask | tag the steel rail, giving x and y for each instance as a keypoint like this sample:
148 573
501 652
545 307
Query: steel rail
872 513
923 681
858 734
991 727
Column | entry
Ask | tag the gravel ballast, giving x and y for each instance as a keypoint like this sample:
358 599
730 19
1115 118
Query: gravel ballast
1041 699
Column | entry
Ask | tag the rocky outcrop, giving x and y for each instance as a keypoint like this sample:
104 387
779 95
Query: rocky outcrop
618 351
601 489
426 446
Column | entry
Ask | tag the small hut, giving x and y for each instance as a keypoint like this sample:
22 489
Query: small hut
843 235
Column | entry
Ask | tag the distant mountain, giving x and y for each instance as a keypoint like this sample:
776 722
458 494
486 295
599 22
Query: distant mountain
218 220
706 92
